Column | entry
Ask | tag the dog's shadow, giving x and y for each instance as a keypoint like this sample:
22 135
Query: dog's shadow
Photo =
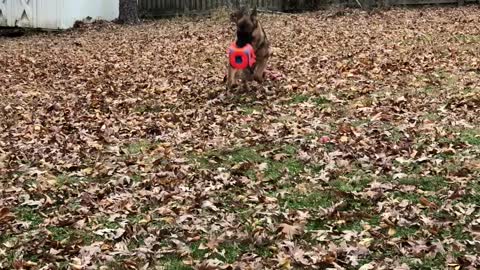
253 94
241 96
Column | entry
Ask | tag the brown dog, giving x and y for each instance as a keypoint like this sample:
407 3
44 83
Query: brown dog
249 31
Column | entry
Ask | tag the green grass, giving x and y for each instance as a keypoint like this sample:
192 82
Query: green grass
275 170
63 234
316 224
264 252
136 178
435 263
108 224
427 183
471 136
318 101
135 242
360 122
433 116
137 148
297 99
412 197
310 201
197 253
430 90
350 185
60 233
473 195
392 133
248 110
249 157
244 155
289 149
354 225
70 181
406 232
159 224
10 252
134 219
468 136
231 251
411 168
30 215
467 38
173 263
456 232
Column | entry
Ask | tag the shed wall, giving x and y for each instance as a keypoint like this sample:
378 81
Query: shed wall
54 14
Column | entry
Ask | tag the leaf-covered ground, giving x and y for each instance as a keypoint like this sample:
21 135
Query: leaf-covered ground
121 149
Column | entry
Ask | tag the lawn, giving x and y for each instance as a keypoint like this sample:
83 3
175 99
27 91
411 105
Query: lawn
121 149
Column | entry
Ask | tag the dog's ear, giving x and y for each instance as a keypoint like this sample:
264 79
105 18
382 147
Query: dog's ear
253 15
234 16
237 15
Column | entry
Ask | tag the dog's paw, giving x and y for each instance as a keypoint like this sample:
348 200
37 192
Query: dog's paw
230 86
258 78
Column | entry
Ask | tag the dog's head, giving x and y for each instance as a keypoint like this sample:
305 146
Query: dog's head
246 22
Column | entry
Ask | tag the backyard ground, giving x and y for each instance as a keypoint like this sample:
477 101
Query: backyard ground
121 149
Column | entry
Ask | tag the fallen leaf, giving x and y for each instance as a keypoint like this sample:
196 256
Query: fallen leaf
6 216
290 230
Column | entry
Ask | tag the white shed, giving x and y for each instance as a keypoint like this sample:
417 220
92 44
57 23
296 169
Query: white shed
55 14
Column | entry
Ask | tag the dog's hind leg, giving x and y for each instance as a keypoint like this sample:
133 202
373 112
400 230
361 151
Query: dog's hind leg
261 65
259 71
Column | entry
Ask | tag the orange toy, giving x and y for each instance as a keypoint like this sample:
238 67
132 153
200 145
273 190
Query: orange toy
241 58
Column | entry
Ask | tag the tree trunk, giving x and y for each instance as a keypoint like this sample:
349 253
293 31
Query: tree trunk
128 12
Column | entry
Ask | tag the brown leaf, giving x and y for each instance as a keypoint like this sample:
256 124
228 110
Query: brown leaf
290 230
6 216
426 202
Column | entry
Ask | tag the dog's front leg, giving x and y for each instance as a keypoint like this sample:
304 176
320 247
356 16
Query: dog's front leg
259 70
247 76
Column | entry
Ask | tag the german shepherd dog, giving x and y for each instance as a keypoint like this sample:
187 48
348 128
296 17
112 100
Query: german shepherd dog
249 31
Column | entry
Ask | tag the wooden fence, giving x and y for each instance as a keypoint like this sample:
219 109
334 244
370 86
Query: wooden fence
165 8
